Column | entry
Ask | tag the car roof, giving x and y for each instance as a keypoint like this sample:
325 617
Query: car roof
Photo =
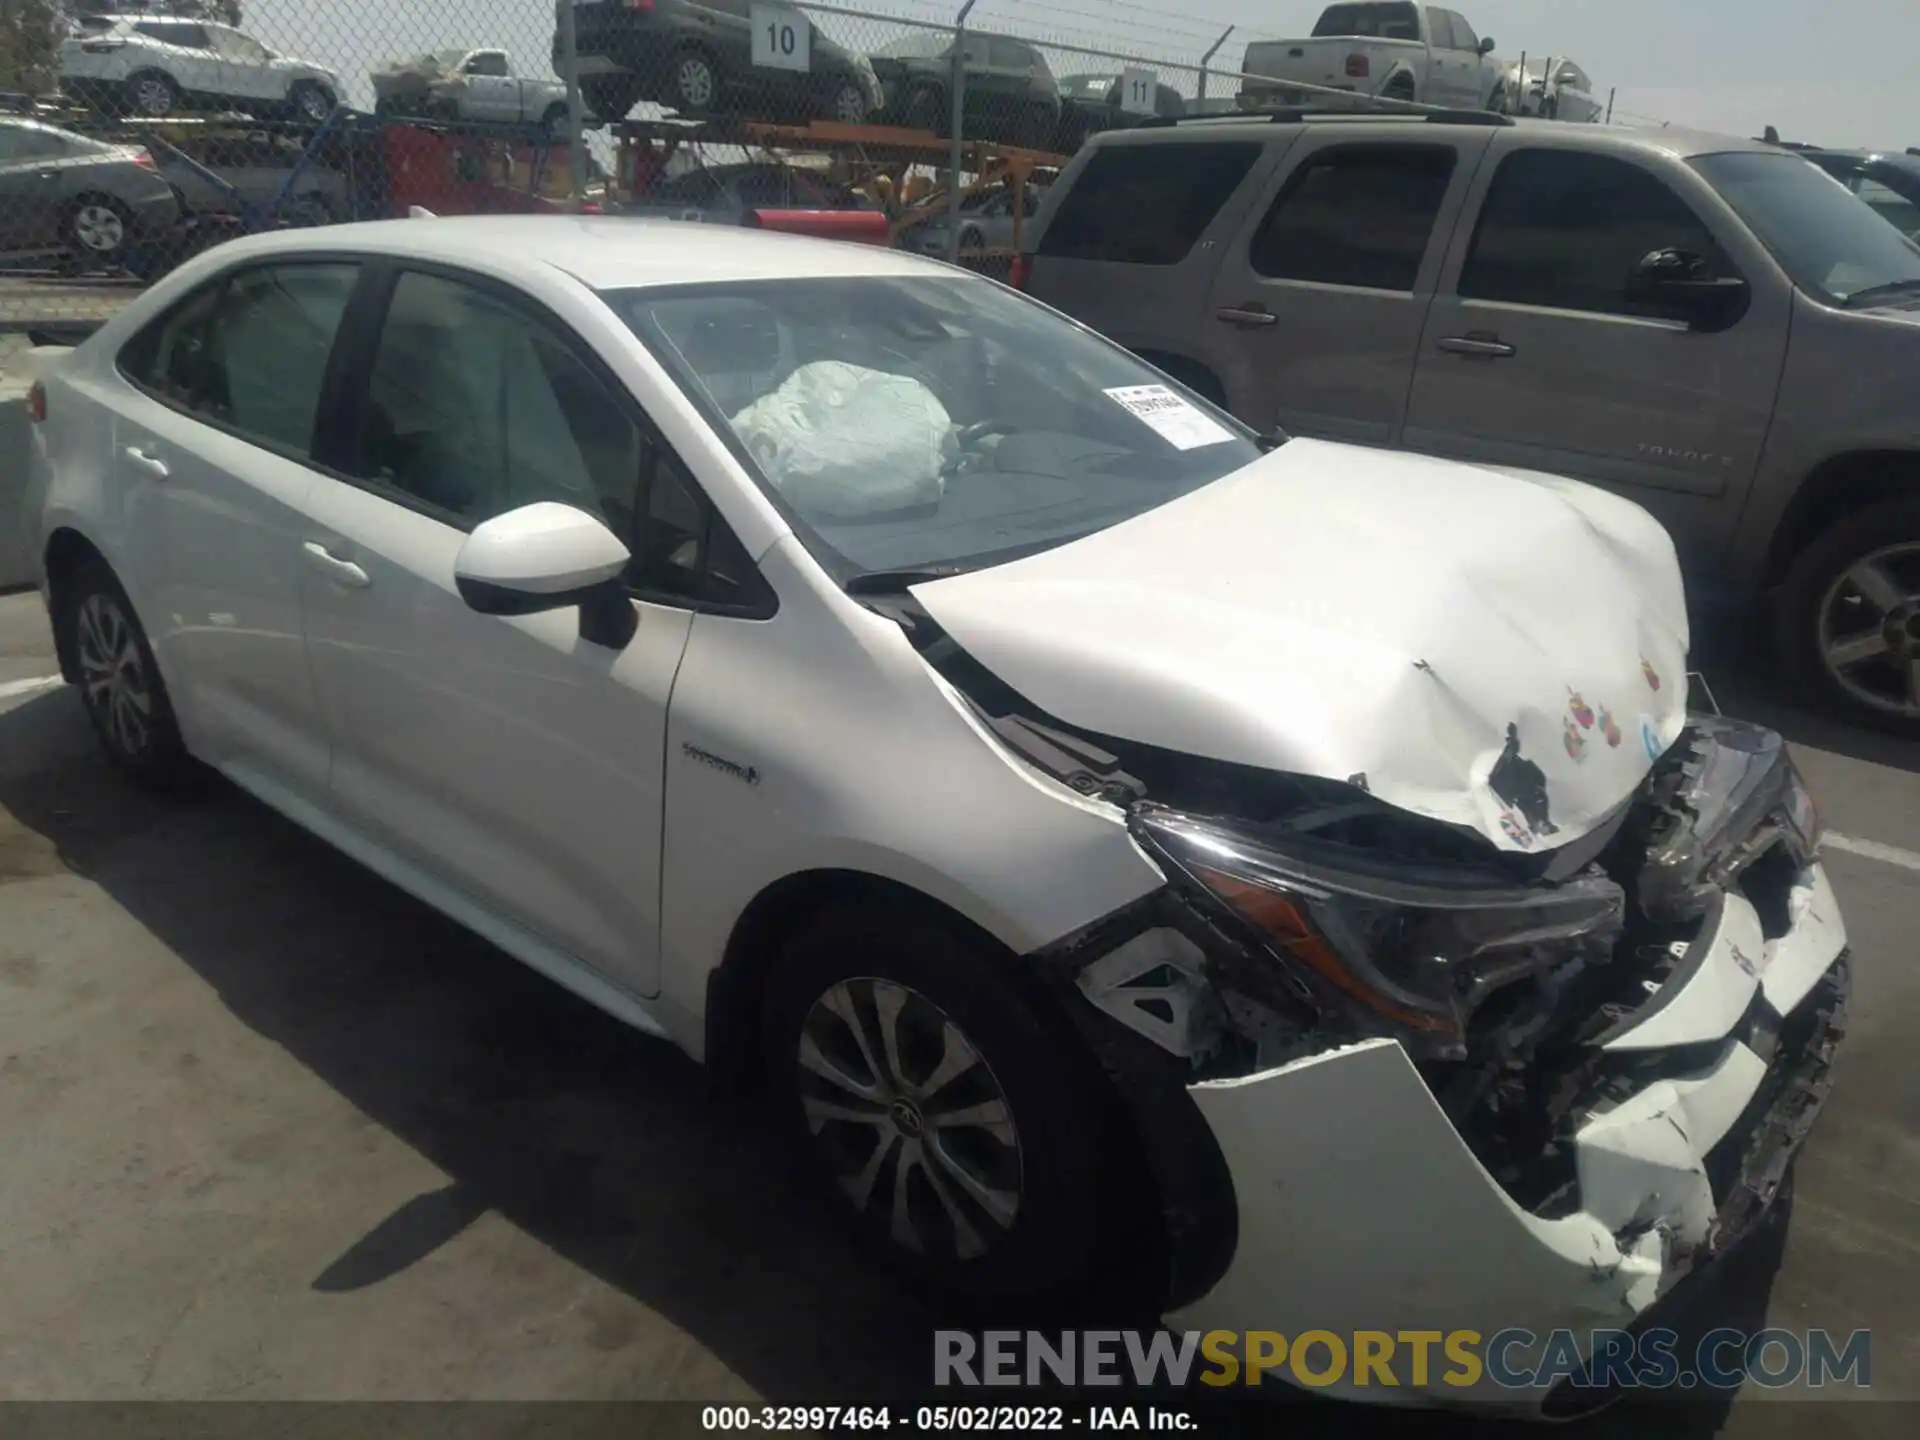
1671 140
604 252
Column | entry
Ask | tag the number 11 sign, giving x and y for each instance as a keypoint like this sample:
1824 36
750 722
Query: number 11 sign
1139 90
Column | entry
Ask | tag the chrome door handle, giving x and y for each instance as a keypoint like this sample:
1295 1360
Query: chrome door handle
1485 347
1245 315
147 461
341 572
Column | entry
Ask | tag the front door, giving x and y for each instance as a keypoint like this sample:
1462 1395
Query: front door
1314 320
507 758
1534 356
491 93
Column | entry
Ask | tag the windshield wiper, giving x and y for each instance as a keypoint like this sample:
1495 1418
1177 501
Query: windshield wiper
1883 292
895 582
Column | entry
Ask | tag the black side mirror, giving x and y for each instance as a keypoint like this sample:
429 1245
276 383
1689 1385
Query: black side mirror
1684 282
1486 44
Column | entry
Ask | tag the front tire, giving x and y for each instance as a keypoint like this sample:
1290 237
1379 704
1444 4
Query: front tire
696 83
1847 618
965 1139
120 685
849 105
100 234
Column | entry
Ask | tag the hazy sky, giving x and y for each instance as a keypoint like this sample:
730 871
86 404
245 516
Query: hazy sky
1839 72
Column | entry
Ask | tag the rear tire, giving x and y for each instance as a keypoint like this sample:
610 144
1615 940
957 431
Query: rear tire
152 94
987 1184
1847 619
849 105
610 97
120 685
99 233
310 103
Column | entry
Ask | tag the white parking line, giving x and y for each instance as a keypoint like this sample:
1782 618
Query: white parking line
1874 850
11 688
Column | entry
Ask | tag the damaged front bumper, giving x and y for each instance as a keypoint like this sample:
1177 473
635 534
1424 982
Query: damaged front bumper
1361 1208
1361 1182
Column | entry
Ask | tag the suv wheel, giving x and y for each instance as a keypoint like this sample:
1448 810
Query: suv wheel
610 97
120 684
696 83
153 94
1847 618
964 1141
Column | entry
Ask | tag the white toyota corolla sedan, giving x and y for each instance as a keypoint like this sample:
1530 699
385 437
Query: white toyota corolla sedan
1066 803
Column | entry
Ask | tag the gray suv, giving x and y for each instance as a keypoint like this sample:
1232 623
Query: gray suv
1710 326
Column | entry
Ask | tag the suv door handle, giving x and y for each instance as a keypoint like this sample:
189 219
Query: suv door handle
341 572
1481 344
147 461
1246 315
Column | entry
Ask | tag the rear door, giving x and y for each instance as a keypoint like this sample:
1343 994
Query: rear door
214 445
1533 355
244 67
1316 310
185 51
31 162
1132 233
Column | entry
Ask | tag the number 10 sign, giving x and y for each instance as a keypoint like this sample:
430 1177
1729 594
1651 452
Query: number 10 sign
782 39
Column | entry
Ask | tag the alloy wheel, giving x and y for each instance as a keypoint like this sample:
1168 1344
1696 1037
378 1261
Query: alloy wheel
98 228
910 1118
314 104
695 82
152 95
850 105
114 675
1869 630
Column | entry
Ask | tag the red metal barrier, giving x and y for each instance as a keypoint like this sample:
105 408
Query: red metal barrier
866 227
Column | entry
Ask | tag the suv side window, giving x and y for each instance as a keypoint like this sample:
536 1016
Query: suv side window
1146 204
1359 215
250 352
1463 36
1564 229
188 37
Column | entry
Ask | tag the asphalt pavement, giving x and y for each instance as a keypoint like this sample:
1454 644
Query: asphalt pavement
269 1129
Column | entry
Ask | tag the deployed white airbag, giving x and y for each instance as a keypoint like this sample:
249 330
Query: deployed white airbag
843 442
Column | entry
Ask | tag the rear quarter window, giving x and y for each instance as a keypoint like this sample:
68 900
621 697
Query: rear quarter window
1146 204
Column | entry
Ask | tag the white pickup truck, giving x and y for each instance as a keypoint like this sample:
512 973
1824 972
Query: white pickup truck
1388 48
461 84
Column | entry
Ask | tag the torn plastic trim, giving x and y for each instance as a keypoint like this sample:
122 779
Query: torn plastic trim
1721 798
1325 1151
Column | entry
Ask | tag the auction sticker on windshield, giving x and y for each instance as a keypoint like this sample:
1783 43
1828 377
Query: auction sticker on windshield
1180 423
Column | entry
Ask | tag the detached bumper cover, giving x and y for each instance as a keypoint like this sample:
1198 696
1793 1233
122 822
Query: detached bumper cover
1360 1207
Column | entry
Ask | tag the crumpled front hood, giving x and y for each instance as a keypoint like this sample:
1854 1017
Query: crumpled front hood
1495 649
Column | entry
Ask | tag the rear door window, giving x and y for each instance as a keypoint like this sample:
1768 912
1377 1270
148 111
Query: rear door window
249 354
1359 215
1146 204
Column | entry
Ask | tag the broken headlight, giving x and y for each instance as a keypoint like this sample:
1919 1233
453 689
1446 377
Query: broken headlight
1737 792
1412 951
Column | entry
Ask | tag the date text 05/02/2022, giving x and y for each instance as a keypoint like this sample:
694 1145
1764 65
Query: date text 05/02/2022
922 1419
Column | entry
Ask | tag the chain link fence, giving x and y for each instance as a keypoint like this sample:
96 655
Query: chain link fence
134 133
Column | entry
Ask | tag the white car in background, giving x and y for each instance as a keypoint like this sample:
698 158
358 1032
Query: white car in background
1554 89
1108 833
158 65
